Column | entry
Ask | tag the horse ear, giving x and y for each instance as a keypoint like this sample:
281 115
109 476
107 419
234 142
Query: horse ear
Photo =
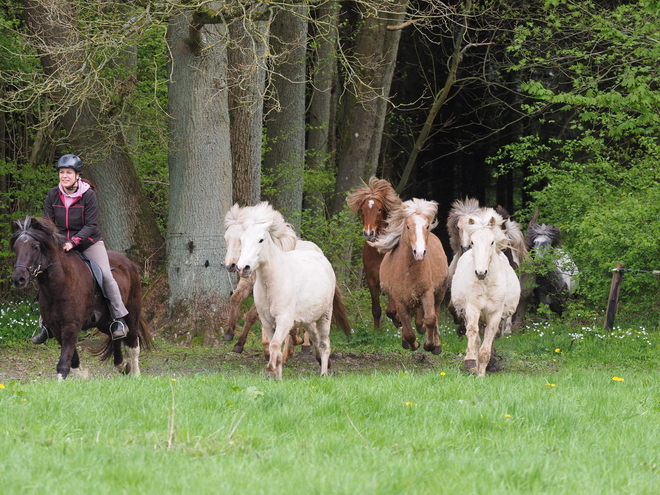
492 222
471 221
535 217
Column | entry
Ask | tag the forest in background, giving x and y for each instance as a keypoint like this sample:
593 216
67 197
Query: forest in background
550 104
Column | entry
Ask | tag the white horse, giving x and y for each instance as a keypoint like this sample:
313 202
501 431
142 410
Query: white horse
485 289
292 288
466 212
284 235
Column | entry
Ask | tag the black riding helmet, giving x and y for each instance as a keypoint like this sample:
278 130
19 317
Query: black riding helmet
70 161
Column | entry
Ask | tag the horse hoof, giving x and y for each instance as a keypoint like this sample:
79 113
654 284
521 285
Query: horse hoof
306 353
238 348
470 364
414 347
228 337
405 344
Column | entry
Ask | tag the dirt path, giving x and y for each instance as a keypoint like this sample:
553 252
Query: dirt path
31 362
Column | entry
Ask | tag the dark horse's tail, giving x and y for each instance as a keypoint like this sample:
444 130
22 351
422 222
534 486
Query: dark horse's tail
105 350
339 315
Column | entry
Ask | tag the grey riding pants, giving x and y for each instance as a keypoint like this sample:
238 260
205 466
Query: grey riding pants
98 254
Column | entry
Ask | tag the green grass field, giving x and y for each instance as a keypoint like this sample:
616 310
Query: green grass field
575 410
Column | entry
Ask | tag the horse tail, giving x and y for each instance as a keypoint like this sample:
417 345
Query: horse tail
339 314
146 340
105 349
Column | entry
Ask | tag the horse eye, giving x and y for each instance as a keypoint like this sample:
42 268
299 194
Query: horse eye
427 227
260 241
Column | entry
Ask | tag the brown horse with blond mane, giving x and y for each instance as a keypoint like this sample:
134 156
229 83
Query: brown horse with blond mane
414 269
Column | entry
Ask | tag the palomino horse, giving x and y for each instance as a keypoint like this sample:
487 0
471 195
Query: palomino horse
374 201
414 269
68 299
553 285
485 289
292 288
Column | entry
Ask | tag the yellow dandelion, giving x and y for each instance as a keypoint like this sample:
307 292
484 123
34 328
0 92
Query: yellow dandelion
617 379
410 404
557 349
507 415
554 360
173 379
550 384
442 373
2 386
313 386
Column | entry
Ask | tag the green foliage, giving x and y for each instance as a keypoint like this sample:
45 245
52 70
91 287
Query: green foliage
592 156
18 322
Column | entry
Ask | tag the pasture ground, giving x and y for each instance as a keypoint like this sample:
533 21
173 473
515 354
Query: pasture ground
573 409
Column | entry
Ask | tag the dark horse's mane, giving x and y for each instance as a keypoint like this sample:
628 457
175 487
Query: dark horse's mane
534 230
41 230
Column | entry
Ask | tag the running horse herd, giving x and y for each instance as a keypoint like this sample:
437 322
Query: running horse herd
296 296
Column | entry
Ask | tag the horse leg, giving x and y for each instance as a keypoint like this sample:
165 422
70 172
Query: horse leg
243 290
250 318
374 291
133 355
486 349
472 333
68 341
409 339
123 367
420 324
430 321
282 327
391 312
306 346
319 334
77 370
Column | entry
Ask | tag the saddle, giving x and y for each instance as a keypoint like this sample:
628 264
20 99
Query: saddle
99 291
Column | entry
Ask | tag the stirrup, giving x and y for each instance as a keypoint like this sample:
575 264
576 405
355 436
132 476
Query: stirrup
42 336
118 329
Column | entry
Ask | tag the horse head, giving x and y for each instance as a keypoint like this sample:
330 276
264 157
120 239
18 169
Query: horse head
486 240
373 217
255 237
374 201
35 242
420 218
458 218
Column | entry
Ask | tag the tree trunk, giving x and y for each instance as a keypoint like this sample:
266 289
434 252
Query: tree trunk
247 79
126 219
285 125
321 110
200 174
362 113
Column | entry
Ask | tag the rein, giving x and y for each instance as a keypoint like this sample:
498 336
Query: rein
32 270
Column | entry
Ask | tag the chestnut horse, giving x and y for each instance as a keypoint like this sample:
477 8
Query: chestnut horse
374 201
68 297
414 269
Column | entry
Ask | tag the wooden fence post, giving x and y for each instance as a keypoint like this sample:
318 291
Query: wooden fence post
613 300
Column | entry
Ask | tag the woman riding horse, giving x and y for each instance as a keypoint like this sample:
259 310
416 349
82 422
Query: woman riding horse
73 207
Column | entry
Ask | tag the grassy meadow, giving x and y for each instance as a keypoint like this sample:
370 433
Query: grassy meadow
574 410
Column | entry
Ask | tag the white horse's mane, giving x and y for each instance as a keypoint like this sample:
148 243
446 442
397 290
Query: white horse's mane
280 231
397 220
459 208
489 218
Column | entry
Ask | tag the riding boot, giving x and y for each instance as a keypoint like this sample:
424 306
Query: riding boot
118 329
42 337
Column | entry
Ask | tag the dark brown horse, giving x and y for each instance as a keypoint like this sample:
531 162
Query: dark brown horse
68 297
374 201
